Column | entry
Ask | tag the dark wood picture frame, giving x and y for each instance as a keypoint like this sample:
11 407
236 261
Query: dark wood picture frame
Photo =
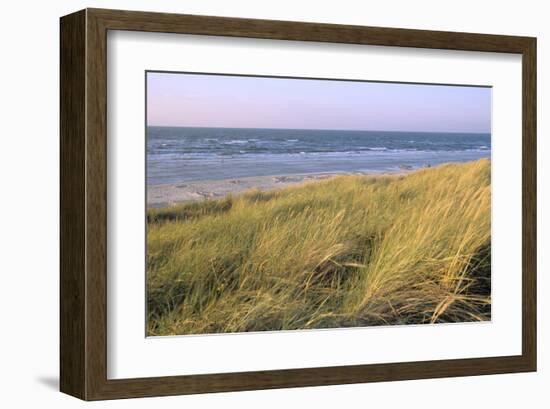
83 75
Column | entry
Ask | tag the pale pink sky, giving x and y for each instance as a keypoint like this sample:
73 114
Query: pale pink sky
179 99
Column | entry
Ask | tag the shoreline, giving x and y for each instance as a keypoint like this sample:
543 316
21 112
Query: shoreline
166 195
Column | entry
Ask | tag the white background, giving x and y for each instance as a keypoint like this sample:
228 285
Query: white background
30 228
131 355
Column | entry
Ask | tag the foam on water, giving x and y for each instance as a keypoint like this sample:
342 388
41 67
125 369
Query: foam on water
192 154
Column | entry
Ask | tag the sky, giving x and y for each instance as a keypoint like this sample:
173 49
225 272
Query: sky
180 99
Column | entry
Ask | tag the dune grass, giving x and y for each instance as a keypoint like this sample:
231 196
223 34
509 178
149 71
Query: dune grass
342 252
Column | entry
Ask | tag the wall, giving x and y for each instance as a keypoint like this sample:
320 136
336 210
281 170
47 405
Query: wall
29 172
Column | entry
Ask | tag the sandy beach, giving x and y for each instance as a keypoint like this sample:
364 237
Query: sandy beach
170 194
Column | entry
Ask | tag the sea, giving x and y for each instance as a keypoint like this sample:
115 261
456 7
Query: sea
184 154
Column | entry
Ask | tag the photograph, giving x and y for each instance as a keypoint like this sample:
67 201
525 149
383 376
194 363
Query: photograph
288 203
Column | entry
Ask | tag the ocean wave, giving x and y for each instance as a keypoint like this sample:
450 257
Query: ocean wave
265 153
236 142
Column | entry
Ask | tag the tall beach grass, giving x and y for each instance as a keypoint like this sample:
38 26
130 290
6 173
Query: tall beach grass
342 252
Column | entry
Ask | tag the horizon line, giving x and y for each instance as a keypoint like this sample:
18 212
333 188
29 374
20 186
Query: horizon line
317 129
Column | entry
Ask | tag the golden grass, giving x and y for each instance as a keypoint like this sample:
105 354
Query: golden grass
343 252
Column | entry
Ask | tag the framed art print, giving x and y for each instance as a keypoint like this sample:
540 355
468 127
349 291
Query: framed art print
252 204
